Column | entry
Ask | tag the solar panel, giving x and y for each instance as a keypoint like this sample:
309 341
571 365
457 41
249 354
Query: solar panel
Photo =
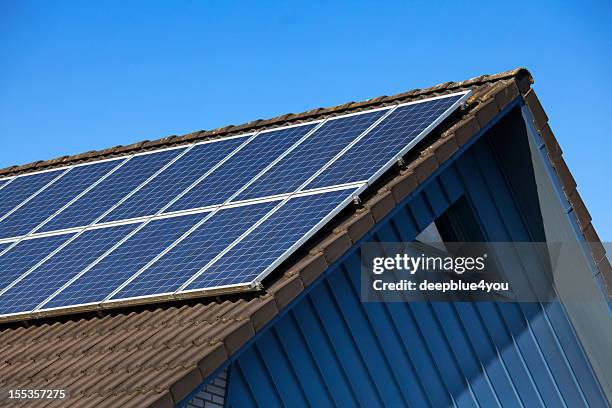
45 280
216 215
270 243
109 192
391 139
112 270
25 255
155 195
22 188
241 168
54 197
288 174
192 254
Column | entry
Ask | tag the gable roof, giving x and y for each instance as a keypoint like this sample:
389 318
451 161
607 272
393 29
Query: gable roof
156 355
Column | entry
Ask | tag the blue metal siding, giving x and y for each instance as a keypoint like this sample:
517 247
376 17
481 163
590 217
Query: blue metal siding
332 350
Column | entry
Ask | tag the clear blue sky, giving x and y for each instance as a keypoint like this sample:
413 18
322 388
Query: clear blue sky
76 76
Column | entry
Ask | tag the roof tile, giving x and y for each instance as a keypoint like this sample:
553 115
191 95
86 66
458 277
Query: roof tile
444 148
380 205
567 180
424 166
212 358
606 271
465 129
333 246
582 214
183 383
357 225
539 116
309 268
402 185
285 289
486 111
236 335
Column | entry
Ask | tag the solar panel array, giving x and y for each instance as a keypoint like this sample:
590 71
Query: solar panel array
215 215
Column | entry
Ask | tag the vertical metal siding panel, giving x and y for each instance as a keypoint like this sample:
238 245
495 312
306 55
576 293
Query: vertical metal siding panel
302 362
505 345
403 222
454 379
418 356
324 354
527 344
577 359
239 394
489 392
523 382
423 215
482 348
258 379
395 354
284 377
344 344
421 356
561 372
359 325
451 183
471 367
436 197
489 218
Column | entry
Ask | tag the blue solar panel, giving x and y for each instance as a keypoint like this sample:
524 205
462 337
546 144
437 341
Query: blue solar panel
60 268
53 198
384 142
23 187
3 182
106 194
288 174
187 258
25 255
173 180
124 261
267 244
241 168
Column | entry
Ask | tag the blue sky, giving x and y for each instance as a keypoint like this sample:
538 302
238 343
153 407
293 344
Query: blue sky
76 76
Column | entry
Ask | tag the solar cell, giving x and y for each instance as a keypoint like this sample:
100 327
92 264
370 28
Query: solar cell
175 179
43 281
26 254
3 182
23 187
390 139
4 245
271 242
116 267
54 197
100 199
303 162
173 269
241 168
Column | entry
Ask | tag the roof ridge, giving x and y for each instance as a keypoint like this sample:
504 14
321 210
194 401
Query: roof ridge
520 73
